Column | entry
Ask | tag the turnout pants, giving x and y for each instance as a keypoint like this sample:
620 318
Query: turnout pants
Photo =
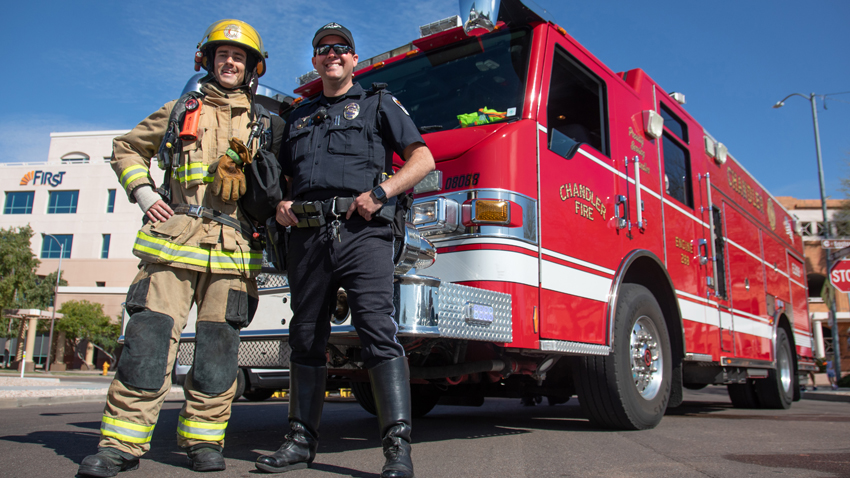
360 261
158 302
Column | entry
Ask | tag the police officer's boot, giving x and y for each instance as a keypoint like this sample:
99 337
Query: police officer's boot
391 387
206 457
306 398
107 462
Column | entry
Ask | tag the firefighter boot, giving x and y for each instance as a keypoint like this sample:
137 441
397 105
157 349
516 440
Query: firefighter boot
206 457
306 399
107 462
391 387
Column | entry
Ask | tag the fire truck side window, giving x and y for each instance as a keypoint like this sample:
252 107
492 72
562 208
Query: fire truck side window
577 110
720 251
674 124
677 171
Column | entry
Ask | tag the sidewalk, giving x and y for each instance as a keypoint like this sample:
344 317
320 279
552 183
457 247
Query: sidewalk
824 391
38 388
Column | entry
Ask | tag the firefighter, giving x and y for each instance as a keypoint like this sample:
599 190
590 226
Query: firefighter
336 151
195 249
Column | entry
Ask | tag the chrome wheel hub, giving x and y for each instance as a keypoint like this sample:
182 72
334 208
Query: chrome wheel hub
647 360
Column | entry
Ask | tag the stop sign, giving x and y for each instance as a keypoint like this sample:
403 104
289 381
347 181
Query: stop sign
840 275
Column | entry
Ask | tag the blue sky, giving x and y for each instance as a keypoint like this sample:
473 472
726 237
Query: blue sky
105 65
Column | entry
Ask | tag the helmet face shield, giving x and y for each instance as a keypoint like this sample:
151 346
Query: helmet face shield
237 33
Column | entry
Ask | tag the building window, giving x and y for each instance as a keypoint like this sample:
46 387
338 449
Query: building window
577 110
74 158
62 202
19 202
50 249
104 249
100 284
110 201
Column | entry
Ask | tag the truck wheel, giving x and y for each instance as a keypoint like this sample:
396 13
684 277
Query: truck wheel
259 394
743 395
363 394
777 390
240 384
629 389
423 398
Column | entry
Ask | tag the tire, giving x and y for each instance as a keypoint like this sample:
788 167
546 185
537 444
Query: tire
423 398
743 395
240 384
363 394
777 390
609 393
259 394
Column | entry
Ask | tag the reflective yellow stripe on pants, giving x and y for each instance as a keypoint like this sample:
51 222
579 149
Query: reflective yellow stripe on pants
203 431
198 256
126 431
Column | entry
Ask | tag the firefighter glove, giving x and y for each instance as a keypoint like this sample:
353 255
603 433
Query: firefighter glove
228 180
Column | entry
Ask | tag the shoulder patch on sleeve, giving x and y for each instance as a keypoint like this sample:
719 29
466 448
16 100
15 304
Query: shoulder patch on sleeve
396 101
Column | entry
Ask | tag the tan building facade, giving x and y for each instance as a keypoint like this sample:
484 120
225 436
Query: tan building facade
812 227
74 199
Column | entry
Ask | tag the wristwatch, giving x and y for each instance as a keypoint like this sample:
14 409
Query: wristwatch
380 194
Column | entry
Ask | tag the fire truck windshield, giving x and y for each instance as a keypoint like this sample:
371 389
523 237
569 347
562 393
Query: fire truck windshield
478 80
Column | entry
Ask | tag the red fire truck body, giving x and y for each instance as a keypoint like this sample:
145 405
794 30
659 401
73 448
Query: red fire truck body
637 256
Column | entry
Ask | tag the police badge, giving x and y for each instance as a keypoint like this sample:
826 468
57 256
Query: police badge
351 111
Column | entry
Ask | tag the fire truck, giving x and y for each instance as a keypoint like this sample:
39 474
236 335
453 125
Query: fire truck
582 235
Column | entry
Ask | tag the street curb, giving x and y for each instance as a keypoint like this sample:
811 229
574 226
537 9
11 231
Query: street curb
827 397
6 403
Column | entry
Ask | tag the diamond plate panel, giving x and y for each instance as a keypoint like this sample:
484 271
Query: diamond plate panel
254 353
452 314
578 348
272 281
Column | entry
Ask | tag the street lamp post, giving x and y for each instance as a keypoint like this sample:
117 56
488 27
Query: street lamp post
836 350
55 299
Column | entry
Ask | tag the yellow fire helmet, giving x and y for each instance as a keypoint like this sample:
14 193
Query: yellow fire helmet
233 32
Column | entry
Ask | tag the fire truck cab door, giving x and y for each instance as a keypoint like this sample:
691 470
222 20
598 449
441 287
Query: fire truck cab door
579 185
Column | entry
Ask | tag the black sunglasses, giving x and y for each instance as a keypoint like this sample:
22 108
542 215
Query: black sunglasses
339 49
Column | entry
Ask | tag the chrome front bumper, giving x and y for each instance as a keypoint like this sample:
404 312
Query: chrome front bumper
427 307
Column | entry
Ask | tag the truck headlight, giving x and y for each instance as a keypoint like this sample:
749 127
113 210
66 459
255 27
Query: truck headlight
414 251
436 216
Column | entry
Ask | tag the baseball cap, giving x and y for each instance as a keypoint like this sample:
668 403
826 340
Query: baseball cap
333 29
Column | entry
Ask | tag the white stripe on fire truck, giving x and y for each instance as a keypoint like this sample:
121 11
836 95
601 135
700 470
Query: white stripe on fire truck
523 245
580 262
508 266
803 340
564 279
794 281
487 240
490 265
766 264
686 213
741 321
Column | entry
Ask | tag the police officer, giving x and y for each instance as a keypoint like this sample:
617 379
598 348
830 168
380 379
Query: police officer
337 148
195 249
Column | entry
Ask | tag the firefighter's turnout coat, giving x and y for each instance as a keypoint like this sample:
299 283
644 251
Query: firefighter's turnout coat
186 260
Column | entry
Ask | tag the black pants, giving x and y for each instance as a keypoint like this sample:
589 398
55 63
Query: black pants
318 265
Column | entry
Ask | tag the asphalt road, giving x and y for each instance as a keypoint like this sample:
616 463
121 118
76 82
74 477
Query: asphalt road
705 437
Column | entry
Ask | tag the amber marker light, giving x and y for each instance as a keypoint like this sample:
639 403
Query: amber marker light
497 212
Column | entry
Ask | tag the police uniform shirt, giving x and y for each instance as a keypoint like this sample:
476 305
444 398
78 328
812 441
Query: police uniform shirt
340 146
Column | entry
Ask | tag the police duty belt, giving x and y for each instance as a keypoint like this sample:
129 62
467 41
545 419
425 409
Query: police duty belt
314 213
194 210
